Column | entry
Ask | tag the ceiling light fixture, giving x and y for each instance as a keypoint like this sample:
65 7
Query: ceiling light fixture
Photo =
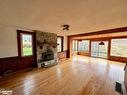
66 27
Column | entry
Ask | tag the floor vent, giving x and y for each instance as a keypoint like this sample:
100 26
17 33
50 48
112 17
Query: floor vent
118 87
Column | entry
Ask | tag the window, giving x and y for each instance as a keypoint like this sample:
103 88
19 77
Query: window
60 44
25 43
75 45
119 47
83 45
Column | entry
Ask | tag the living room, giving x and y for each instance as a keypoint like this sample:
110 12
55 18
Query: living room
63 47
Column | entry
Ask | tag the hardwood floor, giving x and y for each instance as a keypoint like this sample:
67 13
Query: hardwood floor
77 76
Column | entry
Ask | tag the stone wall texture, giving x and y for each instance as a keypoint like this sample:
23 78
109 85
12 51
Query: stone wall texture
45 41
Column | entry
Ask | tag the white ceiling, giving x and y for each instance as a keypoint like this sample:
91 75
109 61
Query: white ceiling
48 15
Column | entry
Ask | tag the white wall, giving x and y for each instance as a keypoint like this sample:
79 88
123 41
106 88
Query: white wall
8 42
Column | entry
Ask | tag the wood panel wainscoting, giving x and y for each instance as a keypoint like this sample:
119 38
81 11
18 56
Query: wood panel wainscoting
19 63
14 64
119 59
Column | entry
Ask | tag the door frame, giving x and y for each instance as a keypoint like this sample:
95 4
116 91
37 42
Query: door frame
34 56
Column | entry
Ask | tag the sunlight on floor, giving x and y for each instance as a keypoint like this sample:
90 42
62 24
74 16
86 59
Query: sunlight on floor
103 66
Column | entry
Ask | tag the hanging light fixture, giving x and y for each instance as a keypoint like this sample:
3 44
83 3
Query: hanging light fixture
101 43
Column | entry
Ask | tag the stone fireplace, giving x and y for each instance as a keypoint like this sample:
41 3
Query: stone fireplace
46 46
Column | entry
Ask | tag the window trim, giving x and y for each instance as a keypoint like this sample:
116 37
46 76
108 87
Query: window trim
19 42
62 44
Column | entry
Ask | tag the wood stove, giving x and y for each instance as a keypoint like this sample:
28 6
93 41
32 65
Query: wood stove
47 56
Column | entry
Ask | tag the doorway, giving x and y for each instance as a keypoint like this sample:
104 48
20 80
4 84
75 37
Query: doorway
26 48
74 47
99 49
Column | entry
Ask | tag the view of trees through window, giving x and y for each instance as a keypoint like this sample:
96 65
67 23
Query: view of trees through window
83 45
26 44
119 47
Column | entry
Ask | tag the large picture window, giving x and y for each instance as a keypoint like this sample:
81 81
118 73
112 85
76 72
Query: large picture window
83 45
119 47
60 44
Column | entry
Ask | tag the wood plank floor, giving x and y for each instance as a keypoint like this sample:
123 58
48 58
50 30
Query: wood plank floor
77 76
